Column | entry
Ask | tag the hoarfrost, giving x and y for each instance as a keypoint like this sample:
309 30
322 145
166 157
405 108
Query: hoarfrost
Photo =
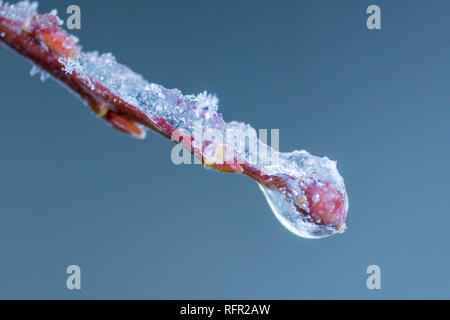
54 12
20 11
36 70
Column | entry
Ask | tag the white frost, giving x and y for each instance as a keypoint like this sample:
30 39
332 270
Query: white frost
20 11
36 70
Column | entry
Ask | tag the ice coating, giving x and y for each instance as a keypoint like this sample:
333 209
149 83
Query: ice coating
184 111
319 191
305 192
153 99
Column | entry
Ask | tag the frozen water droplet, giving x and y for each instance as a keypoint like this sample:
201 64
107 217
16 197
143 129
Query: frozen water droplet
317 188
288 215
20 11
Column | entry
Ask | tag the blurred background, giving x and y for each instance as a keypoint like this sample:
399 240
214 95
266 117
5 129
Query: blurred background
75 191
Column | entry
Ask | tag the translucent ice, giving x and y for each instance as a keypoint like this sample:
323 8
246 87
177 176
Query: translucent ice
319 191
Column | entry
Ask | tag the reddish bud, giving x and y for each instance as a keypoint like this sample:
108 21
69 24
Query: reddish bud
326 204
124 125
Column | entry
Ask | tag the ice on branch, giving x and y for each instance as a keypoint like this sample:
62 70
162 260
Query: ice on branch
306 192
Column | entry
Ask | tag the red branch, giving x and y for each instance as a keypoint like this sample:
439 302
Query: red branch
45 43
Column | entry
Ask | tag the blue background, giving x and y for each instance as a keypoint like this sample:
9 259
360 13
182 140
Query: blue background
74 191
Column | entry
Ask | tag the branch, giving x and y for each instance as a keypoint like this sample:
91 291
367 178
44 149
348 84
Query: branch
306 192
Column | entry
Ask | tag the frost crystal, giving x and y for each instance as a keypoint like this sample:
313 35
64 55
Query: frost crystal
43 74
21 11
54 12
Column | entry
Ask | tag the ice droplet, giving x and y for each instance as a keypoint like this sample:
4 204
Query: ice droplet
293 220
321 215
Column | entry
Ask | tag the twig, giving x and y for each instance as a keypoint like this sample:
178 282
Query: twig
310 200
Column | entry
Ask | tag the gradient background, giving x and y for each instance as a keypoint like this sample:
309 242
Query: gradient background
74 191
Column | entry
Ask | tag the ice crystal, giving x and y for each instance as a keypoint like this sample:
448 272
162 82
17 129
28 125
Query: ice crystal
21 11
310 182
43 74
307 170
